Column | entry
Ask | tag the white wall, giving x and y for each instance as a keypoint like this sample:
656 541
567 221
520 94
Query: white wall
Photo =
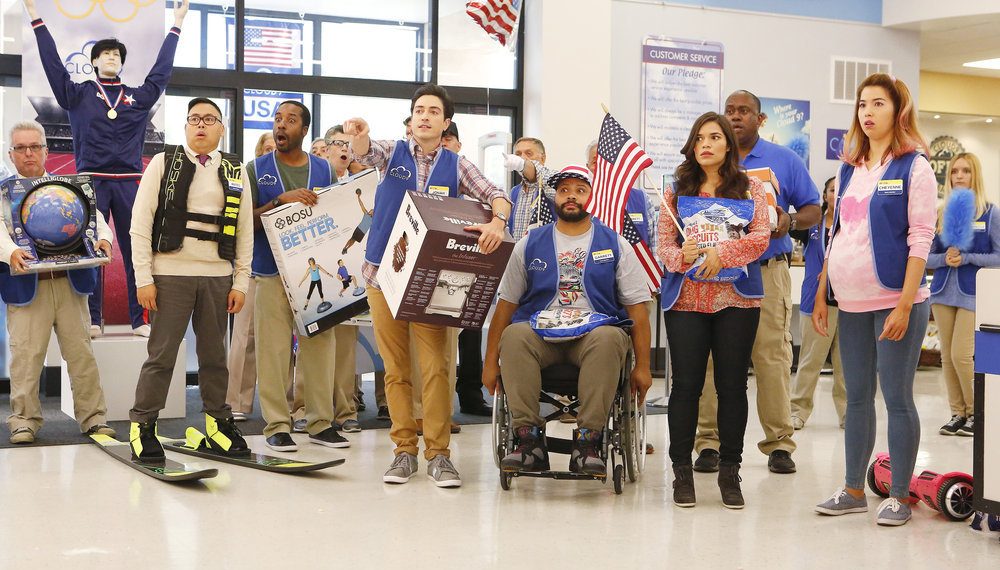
770 55
979 138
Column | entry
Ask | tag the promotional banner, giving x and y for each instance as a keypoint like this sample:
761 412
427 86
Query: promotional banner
259 107
681 80
835 143
76 25
269 46
320 249
787 124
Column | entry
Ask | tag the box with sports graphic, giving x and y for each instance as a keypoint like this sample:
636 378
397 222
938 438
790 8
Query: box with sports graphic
319 251
432 270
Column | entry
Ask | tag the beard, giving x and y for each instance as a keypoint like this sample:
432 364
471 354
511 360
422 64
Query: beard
575 216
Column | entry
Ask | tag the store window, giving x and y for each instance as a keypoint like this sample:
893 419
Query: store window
467 56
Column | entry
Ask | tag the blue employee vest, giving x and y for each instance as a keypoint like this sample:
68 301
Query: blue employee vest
966 272
751 286
599 275
269 187
401 177
19 290
887 220
814 255
635 208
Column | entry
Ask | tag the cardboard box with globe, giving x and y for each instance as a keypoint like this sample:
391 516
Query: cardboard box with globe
54 218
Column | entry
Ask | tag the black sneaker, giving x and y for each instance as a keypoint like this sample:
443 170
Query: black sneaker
530 453
145 447
951 428
684 495
282 441
968 428
329 438
383 413
585 456
707 462
780 461
222 435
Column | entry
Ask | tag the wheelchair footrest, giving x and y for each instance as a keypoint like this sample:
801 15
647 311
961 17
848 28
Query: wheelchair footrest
559 475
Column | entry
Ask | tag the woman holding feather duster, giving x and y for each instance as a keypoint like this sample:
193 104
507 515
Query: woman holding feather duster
967 238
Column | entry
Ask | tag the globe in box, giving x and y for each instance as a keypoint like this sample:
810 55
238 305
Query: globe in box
432 270
54 218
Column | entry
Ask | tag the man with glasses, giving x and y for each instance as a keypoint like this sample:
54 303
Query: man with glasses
109 121
193 241
37 303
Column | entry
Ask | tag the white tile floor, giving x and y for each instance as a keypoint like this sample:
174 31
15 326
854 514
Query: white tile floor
73 507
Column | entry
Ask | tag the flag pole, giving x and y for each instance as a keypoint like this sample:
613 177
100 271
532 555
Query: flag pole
605 107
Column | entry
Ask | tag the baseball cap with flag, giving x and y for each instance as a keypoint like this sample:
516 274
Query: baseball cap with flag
571 171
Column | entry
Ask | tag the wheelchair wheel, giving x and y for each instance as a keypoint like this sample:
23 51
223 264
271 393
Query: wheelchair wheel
628 435
639 433
501 426
505 479
619 479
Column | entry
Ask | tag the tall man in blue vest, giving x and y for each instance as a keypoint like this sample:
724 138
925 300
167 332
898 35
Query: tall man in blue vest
578 264
37 303
193 240
772 350
109 122
420 164
288 175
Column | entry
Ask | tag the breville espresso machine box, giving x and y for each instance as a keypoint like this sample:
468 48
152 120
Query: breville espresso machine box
432 270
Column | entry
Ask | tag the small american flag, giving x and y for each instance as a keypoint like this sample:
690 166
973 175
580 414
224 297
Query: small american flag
497 17
272 46
541 213
620 159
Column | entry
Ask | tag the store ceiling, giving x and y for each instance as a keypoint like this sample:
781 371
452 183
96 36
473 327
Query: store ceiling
948 43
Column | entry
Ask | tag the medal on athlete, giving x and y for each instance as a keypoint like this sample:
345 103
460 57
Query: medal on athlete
112 113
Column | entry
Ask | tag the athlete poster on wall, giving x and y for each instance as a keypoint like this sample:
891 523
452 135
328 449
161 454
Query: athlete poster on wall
787 124
319 251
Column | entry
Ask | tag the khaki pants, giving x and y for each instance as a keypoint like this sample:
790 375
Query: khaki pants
956 329
344 378
452 356
273 327
772 365
599 355
812 357
201 301
56 305
430 342
243 357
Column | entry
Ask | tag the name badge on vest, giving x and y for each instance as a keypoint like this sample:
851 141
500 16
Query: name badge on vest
603 256
979 226
636 217
438 190
890 187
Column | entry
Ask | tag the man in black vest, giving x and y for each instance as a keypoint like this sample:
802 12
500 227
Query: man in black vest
192 242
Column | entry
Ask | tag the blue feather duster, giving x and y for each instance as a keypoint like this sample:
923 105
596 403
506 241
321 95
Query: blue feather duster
959 213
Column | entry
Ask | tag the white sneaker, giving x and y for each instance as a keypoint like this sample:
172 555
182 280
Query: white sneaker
142 330
95 331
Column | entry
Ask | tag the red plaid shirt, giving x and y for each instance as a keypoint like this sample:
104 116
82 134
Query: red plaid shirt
471 182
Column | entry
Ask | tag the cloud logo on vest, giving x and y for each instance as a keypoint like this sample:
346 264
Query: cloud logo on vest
401 173
537 265
267 180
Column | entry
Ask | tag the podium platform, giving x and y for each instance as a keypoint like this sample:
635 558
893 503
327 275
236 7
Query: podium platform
119 358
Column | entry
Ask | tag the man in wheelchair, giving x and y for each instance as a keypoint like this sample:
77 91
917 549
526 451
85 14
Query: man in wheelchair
559 274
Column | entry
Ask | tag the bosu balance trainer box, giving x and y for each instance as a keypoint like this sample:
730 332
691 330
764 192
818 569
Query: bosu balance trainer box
432 270
319 251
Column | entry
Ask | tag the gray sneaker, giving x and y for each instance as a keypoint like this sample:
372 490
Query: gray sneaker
443 473
299 426
351 426
842 503
402 468
892 512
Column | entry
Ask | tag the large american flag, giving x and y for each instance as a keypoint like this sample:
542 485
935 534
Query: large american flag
271 46
497 17
620 159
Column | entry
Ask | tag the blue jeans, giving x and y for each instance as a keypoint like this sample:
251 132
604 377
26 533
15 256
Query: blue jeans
893 364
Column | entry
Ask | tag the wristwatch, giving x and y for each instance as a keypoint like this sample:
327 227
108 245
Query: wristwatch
501 215
275 203
793 224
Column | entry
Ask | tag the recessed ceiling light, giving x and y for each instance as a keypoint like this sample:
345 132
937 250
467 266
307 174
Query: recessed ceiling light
937 116
984 63
989 120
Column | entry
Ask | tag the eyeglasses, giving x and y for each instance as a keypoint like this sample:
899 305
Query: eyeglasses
23 148
209 120
341 144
